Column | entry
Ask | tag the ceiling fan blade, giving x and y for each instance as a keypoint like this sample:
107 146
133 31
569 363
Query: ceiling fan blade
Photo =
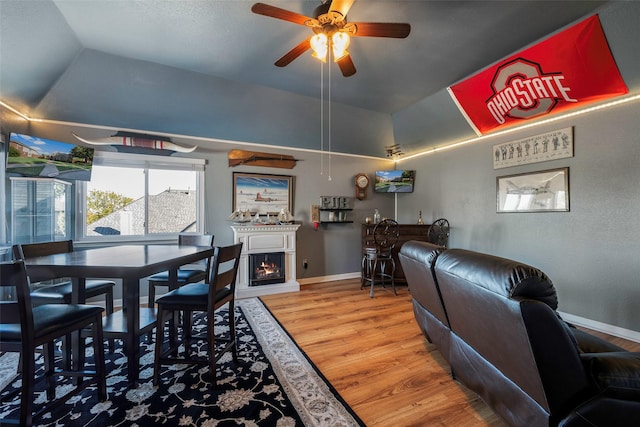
346 66
276 12
341 6
381 29
294 53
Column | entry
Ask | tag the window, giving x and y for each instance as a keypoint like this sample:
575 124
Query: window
40 210
133 196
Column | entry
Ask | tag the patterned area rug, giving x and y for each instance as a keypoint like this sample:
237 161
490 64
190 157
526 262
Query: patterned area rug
274 384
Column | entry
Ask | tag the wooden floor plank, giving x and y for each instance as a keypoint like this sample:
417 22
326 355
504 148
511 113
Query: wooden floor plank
373 352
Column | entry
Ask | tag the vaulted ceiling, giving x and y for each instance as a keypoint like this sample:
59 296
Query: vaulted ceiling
206 68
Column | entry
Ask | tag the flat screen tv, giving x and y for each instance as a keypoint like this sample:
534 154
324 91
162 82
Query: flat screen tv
395 181
30 156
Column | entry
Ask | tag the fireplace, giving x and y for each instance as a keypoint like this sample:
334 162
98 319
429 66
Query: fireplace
278 244
266 268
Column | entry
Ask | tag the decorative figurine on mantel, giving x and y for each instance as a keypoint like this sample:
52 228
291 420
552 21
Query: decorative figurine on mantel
284 217
240 217
420 221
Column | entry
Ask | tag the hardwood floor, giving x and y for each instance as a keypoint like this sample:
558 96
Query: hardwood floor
373 353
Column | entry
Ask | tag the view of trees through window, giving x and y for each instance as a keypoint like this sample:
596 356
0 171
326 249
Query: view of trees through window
136 201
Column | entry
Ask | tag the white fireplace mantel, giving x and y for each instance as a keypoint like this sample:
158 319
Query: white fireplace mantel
265 239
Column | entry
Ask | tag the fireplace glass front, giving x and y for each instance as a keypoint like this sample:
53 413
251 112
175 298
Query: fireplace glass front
266 269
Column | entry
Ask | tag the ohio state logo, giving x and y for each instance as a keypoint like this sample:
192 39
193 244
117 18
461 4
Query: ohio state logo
521 91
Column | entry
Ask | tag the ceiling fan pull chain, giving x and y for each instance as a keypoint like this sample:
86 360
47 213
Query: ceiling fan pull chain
321 118
329 119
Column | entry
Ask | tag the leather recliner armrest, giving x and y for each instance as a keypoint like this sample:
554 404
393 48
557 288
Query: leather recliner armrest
614 369
613 407
588 343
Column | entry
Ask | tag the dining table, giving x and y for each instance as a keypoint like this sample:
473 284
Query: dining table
131 263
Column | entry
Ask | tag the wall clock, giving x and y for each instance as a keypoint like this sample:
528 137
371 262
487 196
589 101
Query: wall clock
362 183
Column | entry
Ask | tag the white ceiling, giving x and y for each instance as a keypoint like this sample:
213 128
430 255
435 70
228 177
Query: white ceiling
45 43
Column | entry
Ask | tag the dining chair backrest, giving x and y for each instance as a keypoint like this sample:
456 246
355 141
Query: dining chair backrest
195 239
224 270
15 309
31 250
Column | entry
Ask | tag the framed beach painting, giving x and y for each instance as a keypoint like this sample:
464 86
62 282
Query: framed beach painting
262 193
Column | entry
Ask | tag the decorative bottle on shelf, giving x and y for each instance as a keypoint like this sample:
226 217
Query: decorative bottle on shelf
420 221
376 217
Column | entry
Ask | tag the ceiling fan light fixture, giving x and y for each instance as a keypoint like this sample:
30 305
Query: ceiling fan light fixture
339 43
319 46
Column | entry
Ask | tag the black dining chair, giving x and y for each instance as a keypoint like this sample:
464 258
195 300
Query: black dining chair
218 290
24 328
185 275
61 292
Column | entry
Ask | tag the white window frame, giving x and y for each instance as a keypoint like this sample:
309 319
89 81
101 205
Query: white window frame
146 162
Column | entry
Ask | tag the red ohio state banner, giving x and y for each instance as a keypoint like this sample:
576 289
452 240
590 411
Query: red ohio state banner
567 70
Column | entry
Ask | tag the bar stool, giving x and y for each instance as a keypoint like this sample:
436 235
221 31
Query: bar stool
378 258
439 232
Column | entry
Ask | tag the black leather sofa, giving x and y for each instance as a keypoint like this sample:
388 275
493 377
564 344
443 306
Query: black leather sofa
495 322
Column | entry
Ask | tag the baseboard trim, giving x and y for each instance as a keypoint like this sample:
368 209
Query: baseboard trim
616 331
321 279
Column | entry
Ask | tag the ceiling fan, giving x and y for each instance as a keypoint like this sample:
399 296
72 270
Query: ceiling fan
331 32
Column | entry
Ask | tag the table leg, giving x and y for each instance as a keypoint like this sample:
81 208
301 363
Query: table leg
78 296
131 305
173 322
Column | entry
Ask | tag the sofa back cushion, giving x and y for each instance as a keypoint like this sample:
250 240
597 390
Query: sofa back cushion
418 259
502 276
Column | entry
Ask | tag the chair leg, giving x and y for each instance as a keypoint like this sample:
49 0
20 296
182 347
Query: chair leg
98 354
158 347
187 333
151 302
49 370
109 310
393 273
66 352
373 277
211 349
26 393
232 330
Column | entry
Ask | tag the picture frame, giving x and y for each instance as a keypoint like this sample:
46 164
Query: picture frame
557 144
262 193
542 191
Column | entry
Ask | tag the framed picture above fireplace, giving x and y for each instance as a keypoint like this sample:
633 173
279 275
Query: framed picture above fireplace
262 193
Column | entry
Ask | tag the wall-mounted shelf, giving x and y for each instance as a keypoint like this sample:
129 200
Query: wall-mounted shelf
335 209
333 216
336 222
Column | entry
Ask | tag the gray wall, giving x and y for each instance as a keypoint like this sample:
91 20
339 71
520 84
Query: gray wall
591 253
333 249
